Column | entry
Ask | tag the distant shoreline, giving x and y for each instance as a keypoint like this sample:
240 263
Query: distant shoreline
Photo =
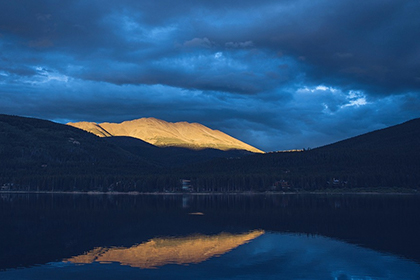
216 193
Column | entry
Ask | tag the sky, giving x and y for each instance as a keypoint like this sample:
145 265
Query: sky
276 74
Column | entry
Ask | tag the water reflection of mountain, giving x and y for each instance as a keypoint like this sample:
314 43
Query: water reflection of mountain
161 251
45 228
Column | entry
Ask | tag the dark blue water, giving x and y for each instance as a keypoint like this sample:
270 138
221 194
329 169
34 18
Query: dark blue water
209 237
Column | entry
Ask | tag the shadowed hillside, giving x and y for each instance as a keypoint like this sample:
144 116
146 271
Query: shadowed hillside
28 140
45 155
385 158
42 155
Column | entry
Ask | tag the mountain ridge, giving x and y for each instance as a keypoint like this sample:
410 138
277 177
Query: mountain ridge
42 155
166 134
384 158
406 134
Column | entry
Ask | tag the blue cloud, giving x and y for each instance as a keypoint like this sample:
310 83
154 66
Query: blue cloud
277 74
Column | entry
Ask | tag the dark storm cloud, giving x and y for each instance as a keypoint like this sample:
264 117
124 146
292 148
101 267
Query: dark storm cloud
277 74
143 51
210 70
370 45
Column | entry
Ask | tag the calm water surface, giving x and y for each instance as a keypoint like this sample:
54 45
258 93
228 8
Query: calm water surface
209 237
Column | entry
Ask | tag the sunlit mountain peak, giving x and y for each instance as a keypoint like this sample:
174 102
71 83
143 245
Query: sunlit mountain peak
166 134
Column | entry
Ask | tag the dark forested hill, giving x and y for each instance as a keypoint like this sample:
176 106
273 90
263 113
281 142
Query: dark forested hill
384 158
403 138
46 155
42 155
33 141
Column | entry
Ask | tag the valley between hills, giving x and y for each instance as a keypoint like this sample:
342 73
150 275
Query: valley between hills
150 155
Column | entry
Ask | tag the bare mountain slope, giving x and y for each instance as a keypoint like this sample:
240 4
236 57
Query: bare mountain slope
166 134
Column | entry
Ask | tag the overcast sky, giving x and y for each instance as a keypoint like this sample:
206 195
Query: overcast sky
277 74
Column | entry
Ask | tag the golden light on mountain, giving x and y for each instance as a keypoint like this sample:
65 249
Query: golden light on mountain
165 134
161 251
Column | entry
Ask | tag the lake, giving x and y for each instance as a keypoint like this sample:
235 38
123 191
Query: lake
69 236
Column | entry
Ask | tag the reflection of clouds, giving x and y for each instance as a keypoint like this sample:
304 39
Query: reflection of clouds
315 257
